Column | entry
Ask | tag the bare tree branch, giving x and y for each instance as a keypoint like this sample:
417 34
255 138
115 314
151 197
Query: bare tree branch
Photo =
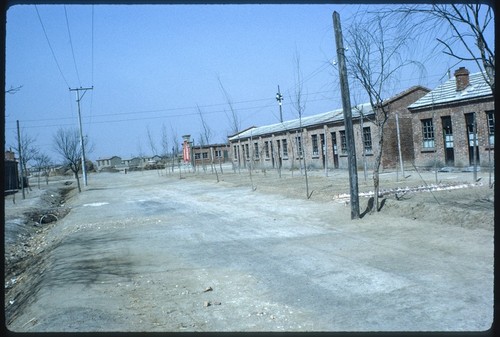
460 25
151 141
207 132
164 141
233 118
13 90
67 144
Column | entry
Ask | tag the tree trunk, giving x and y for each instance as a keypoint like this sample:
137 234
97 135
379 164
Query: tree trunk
77 181
376 169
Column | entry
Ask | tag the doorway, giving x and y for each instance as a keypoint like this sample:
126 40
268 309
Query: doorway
470 122
323 148
335 151
449 154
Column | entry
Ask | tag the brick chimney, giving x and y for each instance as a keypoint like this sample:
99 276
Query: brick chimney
462 78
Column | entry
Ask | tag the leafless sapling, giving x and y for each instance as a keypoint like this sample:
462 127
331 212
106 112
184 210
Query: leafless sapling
376 57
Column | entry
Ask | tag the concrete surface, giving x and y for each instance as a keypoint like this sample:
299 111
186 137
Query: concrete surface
140 252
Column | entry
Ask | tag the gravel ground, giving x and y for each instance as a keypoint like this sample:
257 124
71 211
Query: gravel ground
152 251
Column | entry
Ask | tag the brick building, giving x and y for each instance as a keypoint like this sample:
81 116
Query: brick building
212 153
321 138
451 119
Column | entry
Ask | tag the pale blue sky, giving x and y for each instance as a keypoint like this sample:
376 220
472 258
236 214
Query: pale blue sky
152 65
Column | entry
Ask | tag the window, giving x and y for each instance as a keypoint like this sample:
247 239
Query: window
256 150
427 134
218 153
266 148
298 141
343 142
196 155
314 141
285 148
205 155
247 152
235 152
491 127
367 140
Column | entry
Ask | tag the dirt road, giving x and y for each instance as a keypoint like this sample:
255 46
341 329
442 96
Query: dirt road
144 252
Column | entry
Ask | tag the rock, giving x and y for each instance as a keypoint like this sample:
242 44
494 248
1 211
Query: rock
208 289
206 304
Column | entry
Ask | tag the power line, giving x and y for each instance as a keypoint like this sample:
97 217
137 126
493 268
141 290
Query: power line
92 65
92 49
270 104
50 46
71 44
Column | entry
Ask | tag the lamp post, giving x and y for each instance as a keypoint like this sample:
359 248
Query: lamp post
279 98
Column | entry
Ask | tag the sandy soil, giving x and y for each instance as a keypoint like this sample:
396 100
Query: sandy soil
42 253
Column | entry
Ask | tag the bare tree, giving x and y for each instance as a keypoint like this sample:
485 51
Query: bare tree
151 142
234 122
175 149
67 144
164 142
376 58
464 30
164 146
299 105
42 164
207 139
28 149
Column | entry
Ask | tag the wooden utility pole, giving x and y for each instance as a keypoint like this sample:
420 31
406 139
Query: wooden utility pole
346 106
82 143
20 158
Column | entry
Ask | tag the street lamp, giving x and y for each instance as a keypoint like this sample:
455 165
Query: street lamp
279 98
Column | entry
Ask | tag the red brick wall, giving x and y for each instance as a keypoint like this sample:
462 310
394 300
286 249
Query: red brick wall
460 142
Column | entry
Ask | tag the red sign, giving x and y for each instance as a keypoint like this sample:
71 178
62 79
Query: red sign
185 152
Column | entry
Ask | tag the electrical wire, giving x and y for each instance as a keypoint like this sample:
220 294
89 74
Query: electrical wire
92 66
270 103
71 44
50 46
253 108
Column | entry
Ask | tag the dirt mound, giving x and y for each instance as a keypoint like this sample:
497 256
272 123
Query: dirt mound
469 207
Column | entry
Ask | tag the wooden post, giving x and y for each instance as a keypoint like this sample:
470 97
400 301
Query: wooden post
399 147
346 106
20 158
474 149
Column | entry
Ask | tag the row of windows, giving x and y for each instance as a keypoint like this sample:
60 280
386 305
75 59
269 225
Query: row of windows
428 135
283 145
204 155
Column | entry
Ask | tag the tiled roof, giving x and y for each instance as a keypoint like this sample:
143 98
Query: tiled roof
319 119
447 93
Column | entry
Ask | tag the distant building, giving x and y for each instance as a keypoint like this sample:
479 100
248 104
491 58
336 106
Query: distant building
111 162
211 153
451 119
